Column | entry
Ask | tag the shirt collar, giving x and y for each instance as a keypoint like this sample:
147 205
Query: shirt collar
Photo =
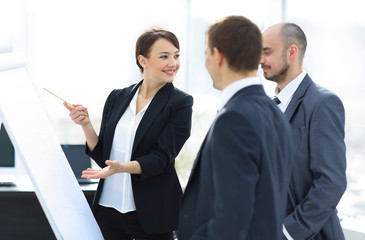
133 104
234 87
286 94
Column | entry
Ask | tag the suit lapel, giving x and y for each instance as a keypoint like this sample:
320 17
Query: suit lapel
158 102
120 105
297 97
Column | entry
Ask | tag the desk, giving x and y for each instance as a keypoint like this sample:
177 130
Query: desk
21 215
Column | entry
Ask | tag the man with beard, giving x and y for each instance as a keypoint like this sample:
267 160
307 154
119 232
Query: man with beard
317 119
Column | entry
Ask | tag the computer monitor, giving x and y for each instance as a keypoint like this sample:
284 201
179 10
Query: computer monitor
78 160
8 170
7 152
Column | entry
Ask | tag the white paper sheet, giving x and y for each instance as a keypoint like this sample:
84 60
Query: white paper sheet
43 159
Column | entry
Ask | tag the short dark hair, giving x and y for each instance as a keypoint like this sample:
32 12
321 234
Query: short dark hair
239 40
148 38
293 34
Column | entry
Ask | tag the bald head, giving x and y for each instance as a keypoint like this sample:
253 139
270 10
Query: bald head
274 29
284 46
289 34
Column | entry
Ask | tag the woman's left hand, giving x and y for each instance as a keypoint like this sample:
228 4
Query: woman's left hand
111 168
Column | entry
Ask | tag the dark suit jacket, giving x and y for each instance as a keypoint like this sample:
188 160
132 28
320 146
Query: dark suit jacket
239 182
317 119
160 136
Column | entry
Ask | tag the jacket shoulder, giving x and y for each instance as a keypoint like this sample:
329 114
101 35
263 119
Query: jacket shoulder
317 93
121 92
180 96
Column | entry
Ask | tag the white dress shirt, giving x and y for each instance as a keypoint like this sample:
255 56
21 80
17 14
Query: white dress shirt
287 93
117 191
234 87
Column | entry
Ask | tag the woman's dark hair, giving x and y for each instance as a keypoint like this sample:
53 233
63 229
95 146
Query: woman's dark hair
149 37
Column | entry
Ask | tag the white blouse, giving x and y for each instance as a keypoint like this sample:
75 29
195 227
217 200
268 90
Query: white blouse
117 190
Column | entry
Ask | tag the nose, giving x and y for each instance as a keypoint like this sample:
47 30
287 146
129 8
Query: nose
173 62
262 60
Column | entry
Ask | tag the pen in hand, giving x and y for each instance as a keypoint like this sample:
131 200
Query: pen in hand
69 104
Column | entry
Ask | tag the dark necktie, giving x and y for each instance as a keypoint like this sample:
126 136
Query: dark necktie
276 100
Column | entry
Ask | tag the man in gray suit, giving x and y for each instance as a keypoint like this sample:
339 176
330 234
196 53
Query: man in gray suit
317 119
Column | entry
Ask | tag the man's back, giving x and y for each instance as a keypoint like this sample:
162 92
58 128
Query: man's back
238 187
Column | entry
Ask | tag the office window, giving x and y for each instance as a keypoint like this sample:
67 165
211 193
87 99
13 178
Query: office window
82 50
202 13
335 60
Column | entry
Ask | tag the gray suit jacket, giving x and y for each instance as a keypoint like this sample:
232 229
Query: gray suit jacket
317 118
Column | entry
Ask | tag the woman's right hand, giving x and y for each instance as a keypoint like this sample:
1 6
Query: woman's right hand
78 114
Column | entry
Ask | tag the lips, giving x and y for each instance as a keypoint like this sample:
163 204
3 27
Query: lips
265 67
169 72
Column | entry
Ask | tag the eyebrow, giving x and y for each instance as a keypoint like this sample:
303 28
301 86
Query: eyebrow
167 52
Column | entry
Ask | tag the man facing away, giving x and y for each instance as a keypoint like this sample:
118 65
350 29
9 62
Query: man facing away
317 119
238 185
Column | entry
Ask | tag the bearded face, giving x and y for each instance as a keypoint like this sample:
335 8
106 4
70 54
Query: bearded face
275 70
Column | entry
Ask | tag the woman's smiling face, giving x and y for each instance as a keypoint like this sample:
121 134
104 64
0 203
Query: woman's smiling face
163 62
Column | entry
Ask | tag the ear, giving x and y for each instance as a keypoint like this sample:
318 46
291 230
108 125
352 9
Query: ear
218 56
142 60
292 52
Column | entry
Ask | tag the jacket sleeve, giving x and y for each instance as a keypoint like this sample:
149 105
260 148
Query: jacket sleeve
170 140
327 154
97 153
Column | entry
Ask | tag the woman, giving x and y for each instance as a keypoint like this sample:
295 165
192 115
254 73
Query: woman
143 128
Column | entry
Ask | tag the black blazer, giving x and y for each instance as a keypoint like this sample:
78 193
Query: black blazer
317 117
160 136
239 182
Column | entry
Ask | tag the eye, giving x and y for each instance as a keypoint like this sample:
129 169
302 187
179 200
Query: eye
266 53
163 56
177 56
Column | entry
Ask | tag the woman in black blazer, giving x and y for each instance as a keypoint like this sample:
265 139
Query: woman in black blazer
143 128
